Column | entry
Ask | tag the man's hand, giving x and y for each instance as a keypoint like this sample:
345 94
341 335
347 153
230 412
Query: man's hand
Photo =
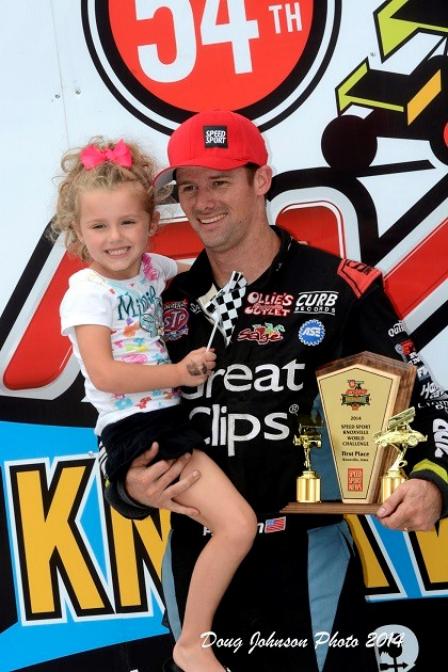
152 484
415 505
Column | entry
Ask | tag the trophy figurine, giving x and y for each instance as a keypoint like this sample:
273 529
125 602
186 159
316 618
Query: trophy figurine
308 484
400 435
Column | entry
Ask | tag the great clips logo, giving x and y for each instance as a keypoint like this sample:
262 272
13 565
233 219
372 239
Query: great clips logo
164 59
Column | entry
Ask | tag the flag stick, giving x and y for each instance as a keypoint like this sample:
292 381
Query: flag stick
212 335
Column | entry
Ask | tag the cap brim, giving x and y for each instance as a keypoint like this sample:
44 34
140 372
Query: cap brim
214 163
163 178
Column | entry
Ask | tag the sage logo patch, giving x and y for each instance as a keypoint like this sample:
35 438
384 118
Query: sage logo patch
262 333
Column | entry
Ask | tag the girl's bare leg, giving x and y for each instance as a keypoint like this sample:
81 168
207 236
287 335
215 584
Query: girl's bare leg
233 525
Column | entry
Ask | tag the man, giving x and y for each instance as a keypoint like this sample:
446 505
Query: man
302 576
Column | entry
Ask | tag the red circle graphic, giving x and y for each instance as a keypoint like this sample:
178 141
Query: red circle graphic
165 59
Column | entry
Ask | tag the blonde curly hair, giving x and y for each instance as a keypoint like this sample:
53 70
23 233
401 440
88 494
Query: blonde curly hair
107 174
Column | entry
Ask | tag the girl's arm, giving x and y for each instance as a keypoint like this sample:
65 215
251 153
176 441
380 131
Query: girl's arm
116 377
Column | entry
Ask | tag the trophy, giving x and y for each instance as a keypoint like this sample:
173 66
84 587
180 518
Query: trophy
308 484
360 395
400 436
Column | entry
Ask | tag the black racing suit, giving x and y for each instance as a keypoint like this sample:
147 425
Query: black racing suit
302 576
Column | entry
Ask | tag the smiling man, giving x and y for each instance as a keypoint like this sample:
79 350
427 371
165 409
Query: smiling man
250 293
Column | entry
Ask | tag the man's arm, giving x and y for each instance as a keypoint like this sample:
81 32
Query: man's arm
148 486
422 500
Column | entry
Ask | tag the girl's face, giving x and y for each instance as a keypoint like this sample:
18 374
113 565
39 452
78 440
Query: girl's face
115 227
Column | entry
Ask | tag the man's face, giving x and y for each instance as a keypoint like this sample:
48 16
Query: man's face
222 206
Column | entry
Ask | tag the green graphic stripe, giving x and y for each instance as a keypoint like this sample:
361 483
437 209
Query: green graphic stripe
427 465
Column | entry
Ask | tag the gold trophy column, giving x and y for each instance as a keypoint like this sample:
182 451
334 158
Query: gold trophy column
308 484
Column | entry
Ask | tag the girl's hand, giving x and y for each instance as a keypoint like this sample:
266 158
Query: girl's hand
195 368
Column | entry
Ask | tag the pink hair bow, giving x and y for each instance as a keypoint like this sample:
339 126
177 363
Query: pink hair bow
92 156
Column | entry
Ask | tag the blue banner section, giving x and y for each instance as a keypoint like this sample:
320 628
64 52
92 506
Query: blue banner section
33 640
400 558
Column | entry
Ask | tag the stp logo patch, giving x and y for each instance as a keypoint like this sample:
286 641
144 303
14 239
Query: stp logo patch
175 319
164 59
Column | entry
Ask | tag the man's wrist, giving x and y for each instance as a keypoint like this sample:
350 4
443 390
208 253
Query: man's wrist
123 493
428 475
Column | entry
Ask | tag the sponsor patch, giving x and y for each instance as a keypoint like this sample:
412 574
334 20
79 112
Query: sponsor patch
231 428
440 430
397 328
175 319
322 302
358 275
406 349
312 332
432 390
423 373
262 333
277 304
268 526
215 136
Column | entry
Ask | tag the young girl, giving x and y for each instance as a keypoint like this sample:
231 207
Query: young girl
112 313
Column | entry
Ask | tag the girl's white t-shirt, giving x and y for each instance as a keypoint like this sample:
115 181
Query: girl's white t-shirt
132 310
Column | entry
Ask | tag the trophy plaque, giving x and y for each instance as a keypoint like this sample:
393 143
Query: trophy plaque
359 395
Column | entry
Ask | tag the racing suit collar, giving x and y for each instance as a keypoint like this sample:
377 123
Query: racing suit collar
199 278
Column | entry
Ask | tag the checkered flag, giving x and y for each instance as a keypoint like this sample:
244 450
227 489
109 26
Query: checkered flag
223 308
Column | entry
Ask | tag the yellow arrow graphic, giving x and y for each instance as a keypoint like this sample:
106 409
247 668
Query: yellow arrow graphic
346 98
393 32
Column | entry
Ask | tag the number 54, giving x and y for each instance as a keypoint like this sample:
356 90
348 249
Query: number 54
238 32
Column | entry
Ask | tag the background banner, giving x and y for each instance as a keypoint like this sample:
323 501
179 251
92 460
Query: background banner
352 98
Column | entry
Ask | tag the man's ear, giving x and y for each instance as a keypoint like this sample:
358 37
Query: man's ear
263 180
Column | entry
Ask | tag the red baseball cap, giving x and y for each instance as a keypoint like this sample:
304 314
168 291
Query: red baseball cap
217 139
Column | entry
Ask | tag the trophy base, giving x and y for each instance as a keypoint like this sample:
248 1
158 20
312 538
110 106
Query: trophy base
308 488
331 508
